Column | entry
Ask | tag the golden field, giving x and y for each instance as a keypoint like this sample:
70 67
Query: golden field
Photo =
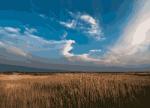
75 90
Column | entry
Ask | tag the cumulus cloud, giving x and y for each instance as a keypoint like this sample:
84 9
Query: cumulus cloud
93 56
86 24
67 48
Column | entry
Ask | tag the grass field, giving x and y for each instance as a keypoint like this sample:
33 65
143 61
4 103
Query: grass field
75 90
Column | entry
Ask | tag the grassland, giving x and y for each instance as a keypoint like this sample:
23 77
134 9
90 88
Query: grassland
75 90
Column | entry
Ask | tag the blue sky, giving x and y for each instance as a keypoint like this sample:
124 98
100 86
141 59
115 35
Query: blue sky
93 33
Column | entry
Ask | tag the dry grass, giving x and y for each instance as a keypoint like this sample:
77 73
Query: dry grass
75 91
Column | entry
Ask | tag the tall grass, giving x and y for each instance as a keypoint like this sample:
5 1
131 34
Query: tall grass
75 91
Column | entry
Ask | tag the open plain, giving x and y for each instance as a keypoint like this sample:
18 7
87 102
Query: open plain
75 90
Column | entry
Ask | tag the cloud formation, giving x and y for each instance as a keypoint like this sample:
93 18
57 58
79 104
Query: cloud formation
84 23
25 43
133 47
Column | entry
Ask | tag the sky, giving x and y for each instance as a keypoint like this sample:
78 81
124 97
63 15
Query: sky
75 34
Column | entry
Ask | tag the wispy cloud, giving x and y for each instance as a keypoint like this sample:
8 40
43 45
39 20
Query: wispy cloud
64 35
94 30
133 48
13 49
26 44
84 23
70 24
134 45
89 19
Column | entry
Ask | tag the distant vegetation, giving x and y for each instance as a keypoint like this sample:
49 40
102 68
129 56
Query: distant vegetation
78 90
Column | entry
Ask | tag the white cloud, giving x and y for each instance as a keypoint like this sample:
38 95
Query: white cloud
133 48
12 30
94 30
88 19
23 45
86 24
43 16
12 49
69 24
67 48
95 50
92 56
26 44
134 45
